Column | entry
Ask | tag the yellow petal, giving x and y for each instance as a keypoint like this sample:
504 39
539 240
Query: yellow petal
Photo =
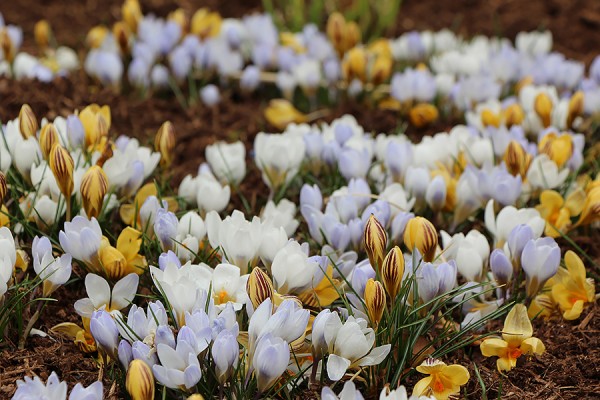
575 201
457 374
68 329
129 242
431 366
533 345
506 363
575 267
575 311
493 347
517 326
422 387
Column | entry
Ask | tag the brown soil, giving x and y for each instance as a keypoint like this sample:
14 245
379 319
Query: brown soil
568 369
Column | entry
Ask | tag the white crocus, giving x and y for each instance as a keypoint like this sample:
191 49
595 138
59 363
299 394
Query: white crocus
351 345
470 252
184 287
54 272
180 367
543 173
283 214
278 156
293 272
82 238
8 258
228 286
227 161
210 194
101 297
238 239
502 224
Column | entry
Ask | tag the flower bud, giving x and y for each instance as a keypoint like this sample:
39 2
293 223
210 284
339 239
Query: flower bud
164 143
517 160
422 235
375 239
94 186
423 114
558 148
354 65
335 31
392 271
96 36
48 138
7 45
281 112
259 287
140 381
381 69
375 301
513 115
42 33
575 107
61 165
490 118
121 33
195 397
3 187
27 122
501 267
543 108
132 14
107 153
205 23
180 18
113 262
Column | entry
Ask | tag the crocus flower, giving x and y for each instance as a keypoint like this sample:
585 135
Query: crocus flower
227 161
572 290
350 344
270 360
278 156
54 272
92 392
443 380
516 340
105 332
400 394
540 260
502 224
349 392
226 354
81 238
36 389
211 195
101 296
179 367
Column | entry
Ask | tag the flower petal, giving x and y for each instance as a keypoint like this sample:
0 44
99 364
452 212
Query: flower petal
336 367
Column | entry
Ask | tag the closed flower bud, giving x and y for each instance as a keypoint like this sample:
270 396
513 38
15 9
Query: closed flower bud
113 262
7 45
490 118
180 18
96 36
3 187
106 154
375 300
513 115
164 143
132 14
61 165
27 122
423 114
140 381
392 271
422 235
94 186
381 69
517 160
121 33
42 33
375 239
336 25
205 23
352 35
558 148
48 138
575 107
354 65
195 397
259 287
543 108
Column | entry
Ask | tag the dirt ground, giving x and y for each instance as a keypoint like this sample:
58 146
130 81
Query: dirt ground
570 367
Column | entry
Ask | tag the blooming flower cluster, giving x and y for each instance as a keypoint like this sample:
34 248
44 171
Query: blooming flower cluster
367 245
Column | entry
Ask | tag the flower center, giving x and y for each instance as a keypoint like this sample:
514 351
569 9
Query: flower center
515 353
223 296
438 385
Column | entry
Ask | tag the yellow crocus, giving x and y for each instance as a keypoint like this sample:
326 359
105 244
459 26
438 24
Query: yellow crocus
422 235
281 112
513 115
96 123
542 306
517 339
572 290
128 211
490 118
139 381
323 294
543 108
375 241
374 301
354 64
443 380
558 147
558 212
206 23
124 259
423 114
591 208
